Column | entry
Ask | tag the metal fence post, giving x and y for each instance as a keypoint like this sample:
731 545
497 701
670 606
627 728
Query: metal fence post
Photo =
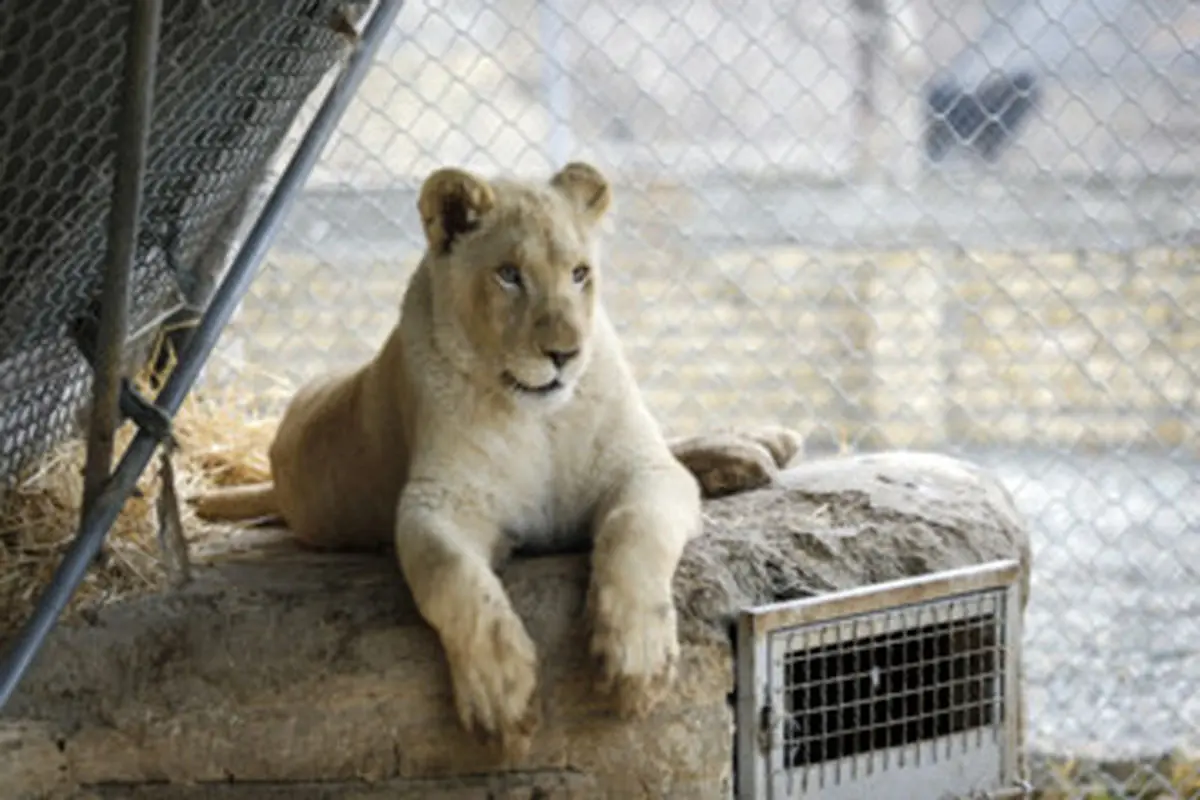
133 134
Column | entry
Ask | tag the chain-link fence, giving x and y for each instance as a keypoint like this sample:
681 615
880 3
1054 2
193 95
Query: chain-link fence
228 85
882 222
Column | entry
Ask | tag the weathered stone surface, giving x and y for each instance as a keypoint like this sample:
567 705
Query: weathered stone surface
841 523
31 759
313 676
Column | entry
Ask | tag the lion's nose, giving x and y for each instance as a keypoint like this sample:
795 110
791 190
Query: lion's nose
560 357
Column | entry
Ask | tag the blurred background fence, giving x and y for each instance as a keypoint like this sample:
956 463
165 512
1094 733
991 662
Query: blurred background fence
968 227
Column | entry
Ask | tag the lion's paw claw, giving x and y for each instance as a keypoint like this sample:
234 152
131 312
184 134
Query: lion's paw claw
635 641
495 683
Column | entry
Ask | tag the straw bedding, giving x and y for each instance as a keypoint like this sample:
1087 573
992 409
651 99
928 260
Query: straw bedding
222 440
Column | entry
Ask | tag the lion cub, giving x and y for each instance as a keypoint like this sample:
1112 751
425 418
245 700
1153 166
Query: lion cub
501 412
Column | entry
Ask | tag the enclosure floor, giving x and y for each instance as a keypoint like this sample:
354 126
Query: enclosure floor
1112 643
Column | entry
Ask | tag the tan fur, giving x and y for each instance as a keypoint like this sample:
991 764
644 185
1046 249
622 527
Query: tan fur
444 442
256 501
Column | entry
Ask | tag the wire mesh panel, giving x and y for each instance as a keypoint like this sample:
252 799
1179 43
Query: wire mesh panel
231 76
902 690
968 227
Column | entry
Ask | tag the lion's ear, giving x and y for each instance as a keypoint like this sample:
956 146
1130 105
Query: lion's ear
586 188
451 203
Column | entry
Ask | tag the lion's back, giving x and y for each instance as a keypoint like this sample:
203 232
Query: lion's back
337 482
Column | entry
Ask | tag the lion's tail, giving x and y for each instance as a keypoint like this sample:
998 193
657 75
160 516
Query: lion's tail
256 501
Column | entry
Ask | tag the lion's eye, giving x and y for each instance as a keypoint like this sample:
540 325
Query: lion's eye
509 275
580 273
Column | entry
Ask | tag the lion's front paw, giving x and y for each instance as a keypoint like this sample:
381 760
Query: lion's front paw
634 638
495 679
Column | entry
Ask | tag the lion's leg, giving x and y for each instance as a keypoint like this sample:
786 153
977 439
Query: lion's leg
737 460
445 555
640 536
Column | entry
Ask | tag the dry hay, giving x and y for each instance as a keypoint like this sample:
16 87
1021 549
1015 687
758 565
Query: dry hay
222 440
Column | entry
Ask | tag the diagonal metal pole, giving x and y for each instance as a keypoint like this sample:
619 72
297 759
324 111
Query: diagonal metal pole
132 137
220 309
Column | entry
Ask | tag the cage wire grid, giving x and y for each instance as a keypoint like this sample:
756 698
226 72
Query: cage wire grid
886 223
881 693
228 82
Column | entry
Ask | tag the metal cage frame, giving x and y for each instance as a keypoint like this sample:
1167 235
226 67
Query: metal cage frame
759 709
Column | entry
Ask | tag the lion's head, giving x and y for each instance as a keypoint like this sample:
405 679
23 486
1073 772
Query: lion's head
513 274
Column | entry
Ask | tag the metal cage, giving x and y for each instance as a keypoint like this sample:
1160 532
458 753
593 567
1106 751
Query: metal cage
133 135
904 690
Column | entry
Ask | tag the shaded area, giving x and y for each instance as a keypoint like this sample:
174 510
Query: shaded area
987 118
895 689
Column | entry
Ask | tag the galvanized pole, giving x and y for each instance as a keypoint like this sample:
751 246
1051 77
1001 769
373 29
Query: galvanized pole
132 138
